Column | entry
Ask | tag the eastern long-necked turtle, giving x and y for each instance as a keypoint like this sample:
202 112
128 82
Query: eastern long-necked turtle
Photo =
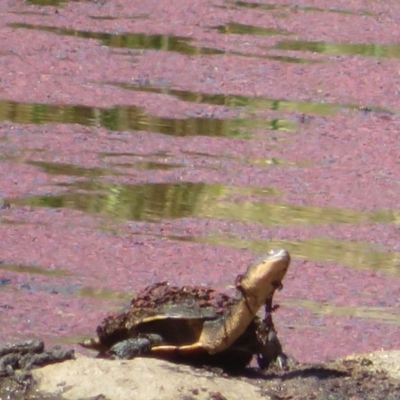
198 324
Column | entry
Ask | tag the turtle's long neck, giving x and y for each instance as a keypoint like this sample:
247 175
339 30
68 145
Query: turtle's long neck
256 285
233 323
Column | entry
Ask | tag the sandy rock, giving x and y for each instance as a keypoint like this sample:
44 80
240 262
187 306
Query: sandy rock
142 378
386 361
370 376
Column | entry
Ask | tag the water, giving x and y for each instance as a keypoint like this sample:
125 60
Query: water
127 197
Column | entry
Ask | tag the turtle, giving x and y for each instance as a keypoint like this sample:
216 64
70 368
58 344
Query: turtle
198 325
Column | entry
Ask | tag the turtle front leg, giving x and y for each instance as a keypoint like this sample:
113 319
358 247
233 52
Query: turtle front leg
271 352
130 348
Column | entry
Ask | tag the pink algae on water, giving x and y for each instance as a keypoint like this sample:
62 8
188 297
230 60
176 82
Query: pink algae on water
96 185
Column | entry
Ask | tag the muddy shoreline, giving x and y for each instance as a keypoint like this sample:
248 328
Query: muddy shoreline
366 376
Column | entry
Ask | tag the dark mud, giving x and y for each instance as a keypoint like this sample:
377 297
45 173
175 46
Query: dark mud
17 359
345 379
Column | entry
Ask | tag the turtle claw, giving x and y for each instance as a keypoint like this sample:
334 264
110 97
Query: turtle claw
282 361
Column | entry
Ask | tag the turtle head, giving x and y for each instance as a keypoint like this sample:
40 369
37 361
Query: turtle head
264 276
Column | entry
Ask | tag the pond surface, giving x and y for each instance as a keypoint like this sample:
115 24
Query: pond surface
148 141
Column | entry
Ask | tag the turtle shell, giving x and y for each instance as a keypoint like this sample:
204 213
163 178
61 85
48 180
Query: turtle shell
177 314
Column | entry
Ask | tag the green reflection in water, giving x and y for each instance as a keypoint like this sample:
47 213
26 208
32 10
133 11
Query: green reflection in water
185 199
384 314
236 28
260 162
104 294
359 255
33 269
123 118
271 7
252 103
142 202
363 49
69 169
295 60
288 214
142 41
75 170
287 59
231 100
148 165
